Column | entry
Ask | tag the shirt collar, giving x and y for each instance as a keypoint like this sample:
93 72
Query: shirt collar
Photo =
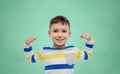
53 48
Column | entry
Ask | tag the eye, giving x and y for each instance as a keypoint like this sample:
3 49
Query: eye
64 31
55 31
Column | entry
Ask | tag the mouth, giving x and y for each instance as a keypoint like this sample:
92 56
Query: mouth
60 40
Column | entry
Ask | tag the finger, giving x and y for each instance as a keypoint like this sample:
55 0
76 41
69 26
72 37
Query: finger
29 40
81 36
34 38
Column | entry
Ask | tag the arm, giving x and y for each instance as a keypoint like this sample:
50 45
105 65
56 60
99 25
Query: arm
87 53
88 49
31 57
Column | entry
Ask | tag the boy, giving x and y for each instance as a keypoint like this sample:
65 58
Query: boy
59 58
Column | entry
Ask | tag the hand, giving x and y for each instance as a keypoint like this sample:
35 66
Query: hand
29 40
86 36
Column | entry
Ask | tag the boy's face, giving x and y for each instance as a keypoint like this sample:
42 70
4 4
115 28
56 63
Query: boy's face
59 34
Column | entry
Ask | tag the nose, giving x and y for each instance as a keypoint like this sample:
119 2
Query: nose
59 34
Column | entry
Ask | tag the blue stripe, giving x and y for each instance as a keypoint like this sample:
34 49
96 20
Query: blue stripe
28 49
86 56
59 66
89 45
33 59
51 48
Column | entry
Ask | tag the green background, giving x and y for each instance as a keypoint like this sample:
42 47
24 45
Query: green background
22 18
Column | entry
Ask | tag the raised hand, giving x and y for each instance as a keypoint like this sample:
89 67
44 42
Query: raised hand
29 40
86 36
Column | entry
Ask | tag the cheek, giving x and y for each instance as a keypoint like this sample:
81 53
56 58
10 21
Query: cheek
66 35
53 35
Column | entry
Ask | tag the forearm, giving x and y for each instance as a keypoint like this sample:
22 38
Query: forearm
88 49
30 56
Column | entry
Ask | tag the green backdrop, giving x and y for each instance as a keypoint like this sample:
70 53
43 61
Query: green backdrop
22 18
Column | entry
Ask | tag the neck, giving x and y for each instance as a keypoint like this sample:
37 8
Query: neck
56 46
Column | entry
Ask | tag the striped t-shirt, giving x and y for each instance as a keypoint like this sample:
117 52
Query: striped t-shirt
59 60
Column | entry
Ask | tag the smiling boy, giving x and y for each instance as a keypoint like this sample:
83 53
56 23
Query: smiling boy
59 58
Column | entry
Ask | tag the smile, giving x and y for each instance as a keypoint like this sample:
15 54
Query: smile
59 40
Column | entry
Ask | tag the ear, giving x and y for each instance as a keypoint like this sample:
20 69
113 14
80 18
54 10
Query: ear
69 33
49 33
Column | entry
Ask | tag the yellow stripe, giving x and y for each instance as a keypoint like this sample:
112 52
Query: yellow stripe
89 54
54 56
78 54
50 56
40 56
28 58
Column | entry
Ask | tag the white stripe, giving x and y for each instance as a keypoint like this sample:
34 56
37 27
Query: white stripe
55 61
59 71
27 54
82 55
90 42
89 49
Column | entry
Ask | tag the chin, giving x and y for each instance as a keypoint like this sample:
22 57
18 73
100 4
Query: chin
60 45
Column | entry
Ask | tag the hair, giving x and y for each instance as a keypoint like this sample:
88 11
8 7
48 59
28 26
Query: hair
59 19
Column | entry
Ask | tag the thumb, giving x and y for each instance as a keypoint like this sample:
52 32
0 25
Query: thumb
34 38
81 36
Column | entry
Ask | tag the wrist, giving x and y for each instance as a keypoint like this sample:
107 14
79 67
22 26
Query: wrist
90 41
26 44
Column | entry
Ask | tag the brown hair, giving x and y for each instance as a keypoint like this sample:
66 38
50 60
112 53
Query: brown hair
59 19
